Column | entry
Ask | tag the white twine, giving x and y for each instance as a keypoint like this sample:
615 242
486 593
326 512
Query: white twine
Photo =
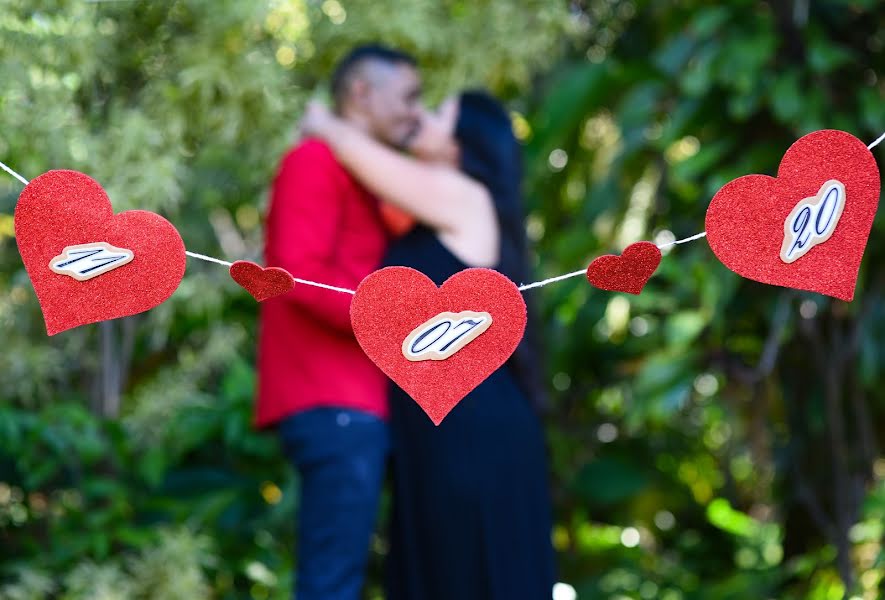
696 236
522 288
325 287
538 284
692 238
208 258
304 281
13 173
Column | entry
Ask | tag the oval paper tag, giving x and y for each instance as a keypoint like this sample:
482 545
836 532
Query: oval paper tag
445 334
85 261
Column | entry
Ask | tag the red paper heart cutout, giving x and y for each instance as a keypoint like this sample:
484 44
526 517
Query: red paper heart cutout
262 282
746 218
60 209
628 272
391 303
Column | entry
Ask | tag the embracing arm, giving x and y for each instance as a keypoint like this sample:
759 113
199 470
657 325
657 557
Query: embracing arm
441 197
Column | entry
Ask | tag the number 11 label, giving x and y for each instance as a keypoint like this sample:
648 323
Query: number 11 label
85 261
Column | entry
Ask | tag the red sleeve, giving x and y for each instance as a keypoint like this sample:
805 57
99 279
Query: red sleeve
303 227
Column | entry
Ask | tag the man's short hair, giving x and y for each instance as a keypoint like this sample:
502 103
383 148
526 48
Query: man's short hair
350 65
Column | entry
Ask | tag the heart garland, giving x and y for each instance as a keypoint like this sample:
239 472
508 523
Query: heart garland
415 332
808 227
262 282
86 263
626 273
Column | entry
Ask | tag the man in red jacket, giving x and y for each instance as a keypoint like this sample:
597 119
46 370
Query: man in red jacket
327 399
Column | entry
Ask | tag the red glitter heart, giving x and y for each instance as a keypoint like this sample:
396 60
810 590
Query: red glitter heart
746 218
262 283
65 208
628 272
391 303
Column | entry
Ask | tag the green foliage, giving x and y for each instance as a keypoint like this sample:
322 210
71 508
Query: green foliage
694 441
721 419
90 483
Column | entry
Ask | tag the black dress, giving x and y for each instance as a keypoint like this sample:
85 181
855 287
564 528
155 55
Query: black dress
471 511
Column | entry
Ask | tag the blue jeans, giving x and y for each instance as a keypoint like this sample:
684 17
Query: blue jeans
340 455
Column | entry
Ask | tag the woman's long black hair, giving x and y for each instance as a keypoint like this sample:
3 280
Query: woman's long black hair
491 155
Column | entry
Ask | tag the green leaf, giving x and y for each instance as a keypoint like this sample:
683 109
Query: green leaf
153 466
722 515
786 96
825 56
709 20
606 481
683 327
577 91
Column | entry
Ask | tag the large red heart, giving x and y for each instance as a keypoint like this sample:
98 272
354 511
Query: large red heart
391 303
628 272
746 218
262 283
60 209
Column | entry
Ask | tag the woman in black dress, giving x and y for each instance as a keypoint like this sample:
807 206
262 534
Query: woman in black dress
471 511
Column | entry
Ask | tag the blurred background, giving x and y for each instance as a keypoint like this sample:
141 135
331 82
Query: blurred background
711 438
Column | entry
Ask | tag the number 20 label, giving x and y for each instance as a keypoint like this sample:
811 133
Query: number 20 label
813 221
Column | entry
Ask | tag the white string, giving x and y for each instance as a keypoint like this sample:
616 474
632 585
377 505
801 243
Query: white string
521 288
692 238
325 287
304 281
697 236
13 173
551 280
538 284
208 258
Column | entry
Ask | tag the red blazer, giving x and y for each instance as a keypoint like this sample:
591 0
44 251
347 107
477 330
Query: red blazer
322 226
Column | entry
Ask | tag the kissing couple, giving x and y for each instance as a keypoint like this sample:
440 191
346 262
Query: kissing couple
380 180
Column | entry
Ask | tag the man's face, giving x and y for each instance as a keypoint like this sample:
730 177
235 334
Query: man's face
390 102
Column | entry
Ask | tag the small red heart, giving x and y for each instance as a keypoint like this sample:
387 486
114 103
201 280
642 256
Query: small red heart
628 272
261 282
390 304
746 219
60 209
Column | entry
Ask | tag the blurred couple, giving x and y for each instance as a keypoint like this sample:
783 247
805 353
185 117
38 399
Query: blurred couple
379 180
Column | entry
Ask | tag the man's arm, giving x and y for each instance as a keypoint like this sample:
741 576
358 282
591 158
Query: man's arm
303 229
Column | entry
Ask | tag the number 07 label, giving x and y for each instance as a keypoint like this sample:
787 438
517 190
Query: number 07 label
442 336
